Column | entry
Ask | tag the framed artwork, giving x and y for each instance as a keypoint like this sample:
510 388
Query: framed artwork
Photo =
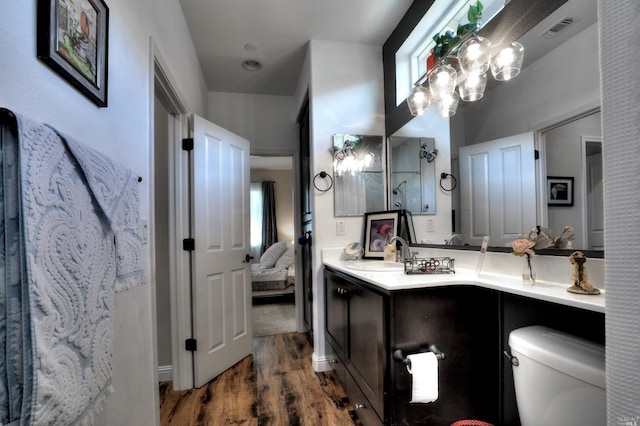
379 228
73 41
559 191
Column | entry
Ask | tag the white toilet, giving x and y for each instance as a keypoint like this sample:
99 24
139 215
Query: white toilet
559 378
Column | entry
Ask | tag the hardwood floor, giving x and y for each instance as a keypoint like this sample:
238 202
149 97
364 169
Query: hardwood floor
274 386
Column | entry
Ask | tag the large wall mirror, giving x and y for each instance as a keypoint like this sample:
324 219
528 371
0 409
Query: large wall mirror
555 100
358 174
412 174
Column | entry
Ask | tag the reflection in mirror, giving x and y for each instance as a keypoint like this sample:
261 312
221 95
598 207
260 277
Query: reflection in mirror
412 174
559 81
574 149
360 188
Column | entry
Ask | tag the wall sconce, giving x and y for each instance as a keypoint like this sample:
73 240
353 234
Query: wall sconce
347 159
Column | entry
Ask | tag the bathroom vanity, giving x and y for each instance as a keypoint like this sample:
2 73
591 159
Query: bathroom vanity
372 314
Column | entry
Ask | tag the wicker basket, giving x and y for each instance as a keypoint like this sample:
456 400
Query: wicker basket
470 423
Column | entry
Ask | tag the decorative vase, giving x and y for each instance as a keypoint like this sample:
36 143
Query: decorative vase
528 273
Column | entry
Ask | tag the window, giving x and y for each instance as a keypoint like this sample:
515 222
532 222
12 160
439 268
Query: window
255 209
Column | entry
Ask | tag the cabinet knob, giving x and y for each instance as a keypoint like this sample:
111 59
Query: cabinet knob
333 361
360 406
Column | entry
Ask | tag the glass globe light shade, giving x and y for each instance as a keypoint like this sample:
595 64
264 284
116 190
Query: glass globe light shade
442 82
448 105
507 64
472 86
475 55
419 100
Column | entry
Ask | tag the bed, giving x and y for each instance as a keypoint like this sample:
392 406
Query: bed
275 273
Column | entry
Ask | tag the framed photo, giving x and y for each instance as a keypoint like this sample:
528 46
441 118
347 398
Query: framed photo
73 41
559 191
408 231
379 228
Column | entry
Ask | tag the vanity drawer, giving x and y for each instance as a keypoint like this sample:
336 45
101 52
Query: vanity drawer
363 408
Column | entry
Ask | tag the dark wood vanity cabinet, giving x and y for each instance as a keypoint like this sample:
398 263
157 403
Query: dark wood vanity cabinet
365 325
355 320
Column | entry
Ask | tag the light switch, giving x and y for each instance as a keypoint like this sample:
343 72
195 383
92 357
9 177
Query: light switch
430 225
339 228
144 228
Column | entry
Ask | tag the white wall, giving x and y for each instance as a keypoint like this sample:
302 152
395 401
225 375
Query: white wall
267 121
561 84
121 131
346 96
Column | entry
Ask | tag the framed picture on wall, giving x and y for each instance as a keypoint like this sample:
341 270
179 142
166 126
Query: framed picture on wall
72 40
559 191
379 228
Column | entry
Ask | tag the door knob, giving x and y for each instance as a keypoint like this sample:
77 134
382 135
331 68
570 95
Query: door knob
248 258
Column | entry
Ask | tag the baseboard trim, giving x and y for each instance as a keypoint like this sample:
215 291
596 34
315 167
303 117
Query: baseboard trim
321 364
165 373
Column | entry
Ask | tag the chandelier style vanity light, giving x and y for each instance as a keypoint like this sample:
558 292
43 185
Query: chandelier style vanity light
474 56
346 159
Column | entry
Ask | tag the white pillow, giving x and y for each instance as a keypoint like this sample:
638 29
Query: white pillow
272 254
286 259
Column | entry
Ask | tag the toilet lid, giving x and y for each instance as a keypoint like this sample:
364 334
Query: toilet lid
572 355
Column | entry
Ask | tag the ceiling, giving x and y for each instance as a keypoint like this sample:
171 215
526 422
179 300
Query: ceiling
276 33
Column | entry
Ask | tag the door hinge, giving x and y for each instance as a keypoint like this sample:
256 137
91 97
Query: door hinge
191 345
188 244
187 144
536 154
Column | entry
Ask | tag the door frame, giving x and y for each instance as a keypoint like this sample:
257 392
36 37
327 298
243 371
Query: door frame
162 85
297 228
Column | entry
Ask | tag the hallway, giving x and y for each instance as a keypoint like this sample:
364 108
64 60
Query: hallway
275 386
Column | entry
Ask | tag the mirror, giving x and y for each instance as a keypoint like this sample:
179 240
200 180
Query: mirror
559 82
358 174
412 174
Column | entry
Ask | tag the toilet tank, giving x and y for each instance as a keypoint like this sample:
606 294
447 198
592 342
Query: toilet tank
559 379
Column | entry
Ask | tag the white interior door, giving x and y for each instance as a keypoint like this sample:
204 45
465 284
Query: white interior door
222 318
595 206
498 189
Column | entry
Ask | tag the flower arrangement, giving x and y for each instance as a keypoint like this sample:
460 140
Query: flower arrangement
542 238
444 42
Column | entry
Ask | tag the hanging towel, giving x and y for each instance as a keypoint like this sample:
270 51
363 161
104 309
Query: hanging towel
72 238
424 370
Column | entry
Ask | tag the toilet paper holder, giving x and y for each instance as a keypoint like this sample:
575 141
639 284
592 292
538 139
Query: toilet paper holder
400 356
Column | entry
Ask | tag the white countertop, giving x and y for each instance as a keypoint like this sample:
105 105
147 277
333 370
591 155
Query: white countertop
506 281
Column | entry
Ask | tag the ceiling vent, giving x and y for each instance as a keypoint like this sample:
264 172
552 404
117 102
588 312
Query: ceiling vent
557 28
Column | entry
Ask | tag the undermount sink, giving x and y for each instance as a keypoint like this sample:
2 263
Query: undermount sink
375 266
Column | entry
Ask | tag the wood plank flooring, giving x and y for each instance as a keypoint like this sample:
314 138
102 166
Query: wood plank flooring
274 386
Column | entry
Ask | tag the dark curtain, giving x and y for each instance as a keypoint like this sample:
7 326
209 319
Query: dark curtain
269 226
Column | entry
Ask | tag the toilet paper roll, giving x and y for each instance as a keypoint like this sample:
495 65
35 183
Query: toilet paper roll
424 371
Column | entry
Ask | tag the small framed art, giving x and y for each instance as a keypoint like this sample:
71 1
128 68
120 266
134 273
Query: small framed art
559 191
73 41
379 228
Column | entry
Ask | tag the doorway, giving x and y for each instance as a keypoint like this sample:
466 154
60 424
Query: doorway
273 287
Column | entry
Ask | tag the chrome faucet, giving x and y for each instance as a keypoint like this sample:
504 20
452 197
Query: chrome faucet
404 248
455 237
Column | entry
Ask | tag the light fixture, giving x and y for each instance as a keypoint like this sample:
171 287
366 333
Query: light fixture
471 88
448 105
508 62
474 56
419 100
442 81
348 160
251 65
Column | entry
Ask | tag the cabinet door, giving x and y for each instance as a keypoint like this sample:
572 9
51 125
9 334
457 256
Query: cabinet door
367 346
337 299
